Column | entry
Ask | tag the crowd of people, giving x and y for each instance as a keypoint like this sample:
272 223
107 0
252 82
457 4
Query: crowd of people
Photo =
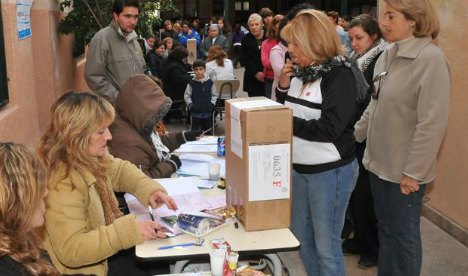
370 107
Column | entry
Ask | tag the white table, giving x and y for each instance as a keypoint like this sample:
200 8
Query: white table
265 242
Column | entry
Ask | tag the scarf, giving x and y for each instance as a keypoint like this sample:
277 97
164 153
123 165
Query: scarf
366 58
109 202
313 73
161 150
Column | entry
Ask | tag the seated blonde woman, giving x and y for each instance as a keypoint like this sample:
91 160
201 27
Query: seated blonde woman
168 43
218 66
83 222
23 187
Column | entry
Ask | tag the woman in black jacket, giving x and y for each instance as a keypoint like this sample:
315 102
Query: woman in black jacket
154 59
175 76
367 43
250 57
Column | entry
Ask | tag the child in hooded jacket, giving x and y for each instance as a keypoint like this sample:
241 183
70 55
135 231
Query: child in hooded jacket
200 97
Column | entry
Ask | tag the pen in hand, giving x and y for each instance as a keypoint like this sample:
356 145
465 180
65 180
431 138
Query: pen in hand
170 235
205 131
151 212
236 222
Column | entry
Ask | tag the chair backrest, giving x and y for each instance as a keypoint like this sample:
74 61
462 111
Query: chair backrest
227 89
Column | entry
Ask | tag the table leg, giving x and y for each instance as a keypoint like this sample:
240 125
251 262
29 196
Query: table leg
179 266
277 265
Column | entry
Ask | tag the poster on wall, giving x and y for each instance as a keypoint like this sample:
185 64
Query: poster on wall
23 18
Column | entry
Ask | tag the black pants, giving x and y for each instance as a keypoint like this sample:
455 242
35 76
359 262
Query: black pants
124 263
202 124
362 211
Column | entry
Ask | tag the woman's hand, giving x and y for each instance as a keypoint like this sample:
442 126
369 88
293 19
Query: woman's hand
260 76
158 197
286 73
408 185
149 230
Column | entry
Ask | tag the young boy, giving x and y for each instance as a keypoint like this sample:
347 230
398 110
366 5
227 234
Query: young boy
200 96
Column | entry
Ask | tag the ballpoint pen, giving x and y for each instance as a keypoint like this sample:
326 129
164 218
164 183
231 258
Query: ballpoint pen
205 131
198 242
235 221
151 212
168 234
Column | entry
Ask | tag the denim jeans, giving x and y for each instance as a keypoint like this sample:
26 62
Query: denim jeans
398 216
319 203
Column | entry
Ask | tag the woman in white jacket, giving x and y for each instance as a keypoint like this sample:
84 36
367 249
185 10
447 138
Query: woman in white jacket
218 66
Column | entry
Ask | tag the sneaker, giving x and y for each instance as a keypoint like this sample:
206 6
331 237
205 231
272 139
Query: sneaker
366 262
350 247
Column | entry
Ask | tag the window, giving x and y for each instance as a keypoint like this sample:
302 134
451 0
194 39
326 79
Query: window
242 5
3 75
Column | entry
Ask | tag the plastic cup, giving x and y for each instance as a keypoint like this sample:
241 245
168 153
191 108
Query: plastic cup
232 259
217 258
213 171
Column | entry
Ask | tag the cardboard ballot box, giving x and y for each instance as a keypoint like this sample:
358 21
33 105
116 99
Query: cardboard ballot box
258 162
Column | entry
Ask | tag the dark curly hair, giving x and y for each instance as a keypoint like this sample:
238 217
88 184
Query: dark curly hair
179 53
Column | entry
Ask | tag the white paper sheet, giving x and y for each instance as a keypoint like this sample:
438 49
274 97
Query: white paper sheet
206 184
179 185
269 172
205 140
236 108
186 203
23 18
197 148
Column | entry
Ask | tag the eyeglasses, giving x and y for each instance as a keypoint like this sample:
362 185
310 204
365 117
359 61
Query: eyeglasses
375 93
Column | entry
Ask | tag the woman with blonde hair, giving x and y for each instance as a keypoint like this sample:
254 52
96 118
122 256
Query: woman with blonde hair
170 31
323 95
404 125
177 29
218 66
23 187
83 222
168 43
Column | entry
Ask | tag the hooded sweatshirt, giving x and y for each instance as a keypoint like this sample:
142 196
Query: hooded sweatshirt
140 105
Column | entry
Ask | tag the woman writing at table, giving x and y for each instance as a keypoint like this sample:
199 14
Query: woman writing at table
84 226
137 134
23 187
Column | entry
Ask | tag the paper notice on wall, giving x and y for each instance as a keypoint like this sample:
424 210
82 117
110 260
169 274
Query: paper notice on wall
192 49
269 172
23 18
236 131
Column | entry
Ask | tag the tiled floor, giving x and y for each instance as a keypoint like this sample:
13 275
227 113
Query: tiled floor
442 254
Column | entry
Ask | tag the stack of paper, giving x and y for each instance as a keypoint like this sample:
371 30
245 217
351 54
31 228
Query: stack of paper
197 164
205 144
